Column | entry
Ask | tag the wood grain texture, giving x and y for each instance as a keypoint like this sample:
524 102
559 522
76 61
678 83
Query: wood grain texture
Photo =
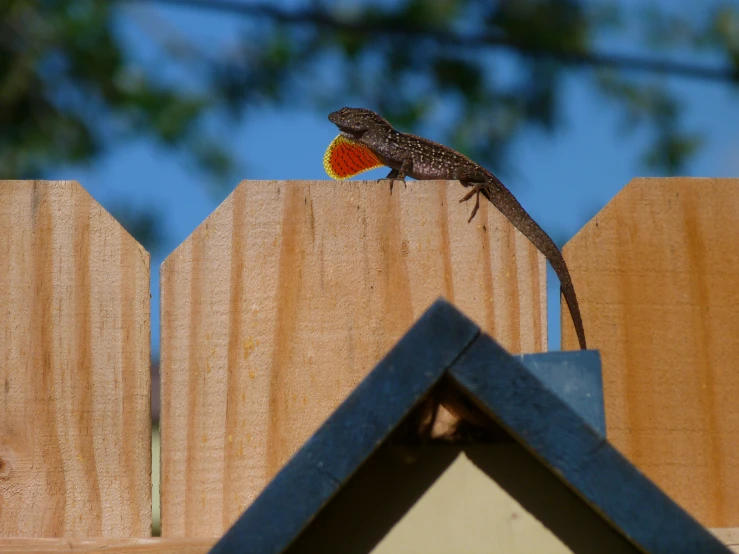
283 300
656 272
90 546
351 435
75 431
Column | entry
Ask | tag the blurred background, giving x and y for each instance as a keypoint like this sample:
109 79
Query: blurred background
160 107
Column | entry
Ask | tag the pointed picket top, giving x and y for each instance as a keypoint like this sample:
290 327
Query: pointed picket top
287 295
75 428
610 506
656 273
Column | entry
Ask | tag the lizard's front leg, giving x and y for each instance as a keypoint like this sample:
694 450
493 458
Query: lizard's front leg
476 190
399 174
392 176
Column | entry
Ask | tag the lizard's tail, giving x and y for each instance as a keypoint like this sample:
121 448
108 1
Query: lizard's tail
500 197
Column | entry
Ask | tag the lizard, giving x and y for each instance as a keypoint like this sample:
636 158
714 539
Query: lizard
367 141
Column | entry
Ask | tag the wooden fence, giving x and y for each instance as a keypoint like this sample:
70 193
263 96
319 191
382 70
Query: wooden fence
282 300
657 272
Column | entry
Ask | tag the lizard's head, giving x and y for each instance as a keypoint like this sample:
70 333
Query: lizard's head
355 122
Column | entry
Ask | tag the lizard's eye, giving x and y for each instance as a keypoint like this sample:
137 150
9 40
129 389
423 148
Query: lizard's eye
351 132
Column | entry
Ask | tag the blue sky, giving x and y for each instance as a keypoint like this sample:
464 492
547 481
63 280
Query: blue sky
562 180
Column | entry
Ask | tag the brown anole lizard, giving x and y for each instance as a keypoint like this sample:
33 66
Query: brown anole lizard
368 141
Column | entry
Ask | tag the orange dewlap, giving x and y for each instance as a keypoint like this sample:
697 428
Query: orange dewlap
345 158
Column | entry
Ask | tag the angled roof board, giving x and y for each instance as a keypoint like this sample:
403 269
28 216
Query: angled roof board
445 349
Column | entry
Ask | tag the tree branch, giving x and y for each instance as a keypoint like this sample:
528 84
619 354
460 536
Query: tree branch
321 18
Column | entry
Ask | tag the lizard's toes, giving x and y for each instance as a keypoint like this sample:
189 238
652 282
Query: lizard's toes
468 196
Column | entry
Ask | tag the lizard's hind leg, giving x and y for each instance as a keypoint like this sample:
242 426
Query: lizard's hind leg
476 189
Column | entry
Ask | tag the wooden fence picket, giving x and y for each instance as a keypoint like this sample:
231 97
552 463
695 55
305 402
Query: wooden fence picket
75 429
287 295
657 273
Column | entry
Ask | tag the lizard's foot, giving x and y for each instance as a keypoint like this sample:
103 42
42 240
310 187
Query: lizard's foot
392 177
474 192
392 181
